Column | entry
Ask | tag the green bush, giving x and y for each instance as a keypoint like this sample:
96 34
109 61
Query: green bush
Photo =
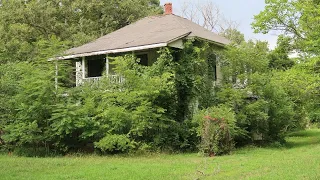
280 112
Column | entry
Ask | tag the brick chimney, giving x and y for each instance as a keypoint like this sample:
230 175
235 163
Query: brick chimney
168 8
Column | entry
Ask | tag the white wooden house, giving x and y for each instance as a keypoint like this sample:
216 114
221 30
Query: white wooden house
143 38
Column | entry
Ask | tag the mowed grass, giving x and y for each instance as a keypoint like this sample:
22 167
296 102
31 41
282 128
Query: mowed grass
299 159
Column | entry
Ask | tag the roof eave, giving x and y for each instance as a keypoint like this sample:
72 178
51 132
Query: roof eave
213 42
112 51
135 48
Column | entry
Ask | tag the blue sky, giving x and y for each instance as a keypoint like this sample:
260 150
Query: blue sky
241 11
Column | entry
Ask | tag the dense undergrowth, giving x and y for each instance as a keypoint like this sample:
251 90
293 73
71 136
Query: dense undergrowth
169 106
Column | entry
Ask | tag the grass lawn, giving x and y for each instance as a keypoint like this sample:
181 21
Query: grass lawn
300 159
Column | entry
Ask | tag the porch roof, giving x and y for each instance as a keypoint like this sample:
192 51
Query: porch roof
147 33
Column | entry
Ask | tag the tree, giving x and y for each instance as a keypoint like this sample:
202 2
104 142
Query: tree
301 84
233 35
239 62
206 14
297 18
75 22
299 21
279 57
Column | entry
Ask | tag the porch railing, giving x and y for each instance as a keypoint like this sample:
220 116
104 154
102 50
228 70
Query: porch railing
116 78
112 79
91 79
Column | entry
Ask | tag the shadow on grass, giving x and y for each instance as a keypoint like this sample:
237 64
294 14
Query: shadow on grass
297 139
306 133
303 139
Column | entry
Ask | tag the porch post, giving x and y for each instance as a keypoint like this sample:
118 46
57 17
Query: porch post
83 68
56 76
107 65
219 76
79 79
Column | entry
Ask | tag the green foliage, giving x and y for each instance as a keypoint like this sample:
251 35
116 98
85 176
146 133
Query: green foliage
302 85
142 109
33 113
27 104
264 109
300 21
299 18
153 108
74 22
280 111
235 36
279 57
195 76
239 62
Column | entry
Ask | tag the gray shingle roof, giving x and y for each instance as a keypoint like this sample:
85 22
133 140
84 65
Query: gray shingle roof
148 31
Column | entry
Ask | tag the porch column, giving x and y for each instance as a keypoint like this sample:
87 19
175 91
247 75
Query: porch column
219 76
107 65
83 68
56 76
79 73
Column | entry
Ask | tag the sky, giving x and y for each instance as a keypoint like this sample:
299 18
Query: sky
241 11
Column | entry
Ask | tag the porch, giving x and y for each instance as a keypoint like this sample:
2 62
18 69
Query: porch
91 69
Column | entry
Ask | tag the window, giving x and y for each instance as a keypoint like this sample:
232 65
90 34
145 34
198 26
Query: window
95 65
143 59
212 66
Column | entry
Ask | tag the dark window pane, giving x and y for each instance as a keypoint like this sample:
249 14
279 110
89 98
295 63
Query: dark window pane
212 63
96 65
143 59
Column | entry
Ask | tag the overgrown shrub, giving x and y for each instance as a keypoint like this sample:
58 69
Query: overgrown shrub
217 129
280 112
115 143
27 108
263 109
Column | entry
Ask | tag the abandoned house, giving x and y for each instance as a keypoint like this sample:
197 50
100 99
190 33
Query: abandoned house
143 38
